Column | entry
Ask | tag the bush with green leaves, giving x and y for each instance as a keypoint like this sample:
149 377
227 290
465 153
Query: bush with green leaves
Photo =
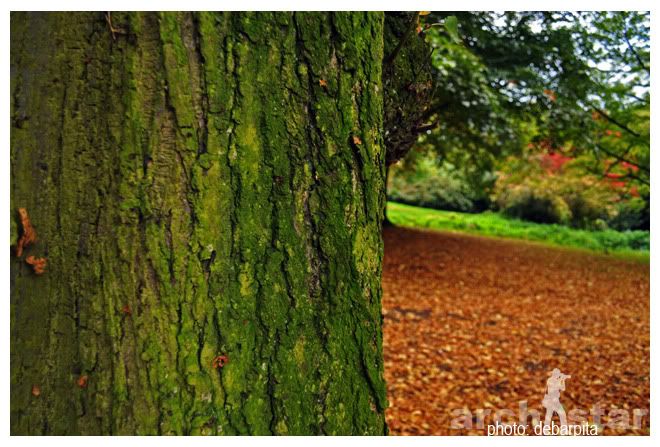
552 188
633 214
432 192
423 183
529 202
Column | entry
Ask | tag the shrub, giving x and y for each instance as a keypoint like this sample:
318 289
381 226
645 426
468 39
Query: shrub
545 189
431 192
587 209
534 205
423 183
632 215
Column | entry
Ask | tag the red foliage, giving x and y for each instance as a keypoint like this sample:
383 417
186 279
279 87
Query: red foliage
629 166
554 161
617 180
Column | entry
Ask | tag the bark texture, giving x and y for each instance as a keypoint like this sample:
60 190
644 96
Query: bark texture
408 82
201 185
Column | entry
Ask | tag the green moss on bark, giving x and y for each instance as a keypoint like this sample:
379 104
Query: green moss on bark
198 192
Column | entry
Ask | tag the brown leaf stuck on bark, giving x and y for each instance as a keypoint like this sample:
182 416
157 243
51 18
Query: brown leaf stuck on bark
82 381
220 361
38 264
29 236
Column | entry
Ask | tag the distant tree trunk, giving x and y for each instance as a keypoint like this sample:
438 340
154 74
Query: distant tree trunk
386 220
201 185
408 84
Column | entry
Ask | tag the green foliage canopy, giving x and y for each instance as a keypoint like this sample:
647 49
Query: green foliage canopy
578 82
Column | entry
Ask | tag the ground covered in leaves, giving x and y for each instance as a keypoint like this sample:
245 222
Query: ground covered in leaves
478 323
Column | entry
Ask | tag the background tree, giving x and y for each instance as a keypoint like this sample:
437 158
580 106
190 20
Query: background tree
570 83
207 194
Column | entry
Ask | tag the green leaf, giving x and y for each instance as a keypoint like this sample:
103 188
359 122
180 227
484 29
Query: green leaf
451 26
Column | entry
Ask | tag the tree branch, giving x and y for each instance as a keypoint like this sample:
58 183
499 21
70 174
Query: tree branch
615 122
620 158
425 127
636 54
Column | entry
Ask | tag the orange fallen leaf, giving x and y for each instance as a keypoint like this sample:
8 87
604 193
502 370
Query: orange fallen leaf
323 83
38 264
82 381
29 236
434 360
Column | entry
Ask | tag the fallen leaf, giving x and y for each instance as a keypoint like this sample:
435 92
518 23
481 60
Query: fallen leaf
82 381
29 235
460 333
38 264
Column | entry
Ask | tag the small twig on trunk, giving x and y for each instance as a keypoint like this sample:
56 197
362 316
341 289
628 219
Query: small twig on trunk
411 27
113 30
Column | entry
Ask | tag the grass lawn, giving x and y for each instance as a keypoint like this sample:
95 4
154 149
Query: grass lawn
633 244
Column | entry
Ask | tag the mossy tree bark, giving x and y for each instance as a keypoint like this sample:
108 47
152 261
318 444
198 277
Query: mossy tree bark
408 85
201 185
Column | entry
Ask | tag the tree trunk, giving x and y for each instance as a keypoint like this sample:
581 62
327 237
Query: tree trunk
408 82
202 185
386 221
